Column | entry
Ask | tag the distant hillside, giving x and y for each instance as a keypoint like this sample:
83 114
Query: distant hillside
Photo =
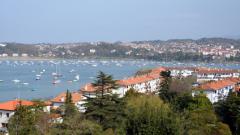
205 49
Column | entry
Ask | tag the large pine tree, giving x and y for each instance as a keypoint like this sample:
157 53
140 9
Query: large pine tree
70 108
106 109
164 87
104 84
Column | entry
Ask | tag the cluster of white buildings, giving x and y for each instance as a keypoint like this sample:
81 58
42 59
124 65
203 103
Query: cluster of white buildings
204 74
14 55
220 51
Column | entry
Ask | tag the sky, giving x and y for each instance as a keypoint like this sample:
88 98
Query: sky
58 21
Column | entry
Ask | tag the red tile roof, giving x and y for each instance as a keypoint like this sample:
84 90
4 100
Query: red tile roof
76 96
158 70
154 74
138 79
216 85
12 105
55 116
182 68
88 88
210 71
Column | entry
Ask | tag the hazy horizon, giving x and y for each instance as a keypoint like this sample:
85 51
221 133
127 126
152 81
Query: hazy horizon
44 21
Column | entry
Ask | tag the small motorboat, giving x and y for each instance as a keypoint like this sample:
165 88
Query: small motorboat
56 81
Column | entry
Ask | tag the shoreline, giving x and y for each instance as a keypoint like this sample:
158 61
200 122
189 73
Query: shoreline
85 58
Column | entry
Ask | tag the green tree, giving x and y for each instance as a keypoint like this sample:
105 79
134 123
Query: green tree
70 108
149 115
104 84
200 118
106 108
164 88
229 112
23 122
132 93
76 125
183 102
29 120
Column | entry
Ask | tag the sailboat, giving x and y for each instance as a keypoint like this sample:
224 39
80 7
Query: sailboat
38 76
56 73
56 77
77 77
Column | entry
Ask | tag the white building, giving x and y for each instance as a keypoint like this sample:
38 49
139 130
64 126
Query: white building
2 45
88 91
218 90
7 109
77 99
92 51
181 71
215 74
15 54
142 84
4 55
24 55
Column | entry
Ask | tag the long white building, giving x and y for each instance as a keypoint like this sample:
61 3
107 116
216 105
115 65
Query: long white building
205 74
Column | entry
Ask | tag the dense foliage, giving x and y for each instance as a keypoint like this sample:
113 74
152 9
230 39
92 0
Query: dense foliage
172 112
229 111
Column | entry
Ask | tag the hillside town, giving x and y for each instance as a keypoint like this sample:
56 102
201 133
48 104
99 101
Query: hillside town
205 49
216 84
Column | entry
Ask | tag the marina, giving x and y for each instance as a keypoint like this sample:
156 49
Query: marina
33 79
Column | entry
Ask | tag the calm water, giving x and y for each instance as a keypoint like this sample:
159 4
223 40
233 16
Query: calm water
30 88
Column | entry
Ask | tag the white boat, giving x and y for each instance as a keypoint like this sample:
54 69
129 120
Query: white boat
38 77
77 77
16 81
25 83
119 65
56 81
94 65
71 71
54 74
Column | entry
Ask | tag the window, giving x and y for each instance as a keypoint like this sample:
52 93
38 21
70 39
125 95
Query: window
7 115
0 114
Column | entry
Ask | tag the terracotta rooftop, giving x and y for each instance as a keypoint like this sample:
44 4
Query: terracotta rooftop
88 88
138 79
209 71
55 116
76 96
216 85
12 105
182 68
158 70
